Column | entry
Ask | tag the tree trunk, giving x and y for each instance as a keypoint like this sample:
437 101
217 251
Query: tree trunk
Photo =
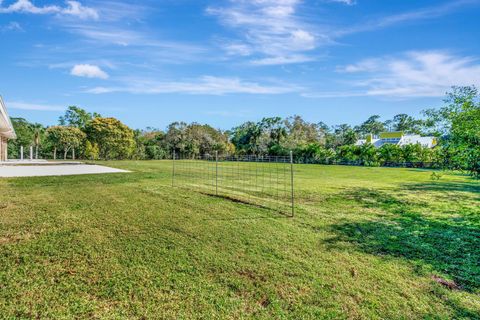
36 152
73 154
55 153
65 154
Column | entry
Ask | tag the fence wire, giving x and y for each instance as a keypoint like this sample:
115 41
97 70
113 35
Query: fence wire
266 181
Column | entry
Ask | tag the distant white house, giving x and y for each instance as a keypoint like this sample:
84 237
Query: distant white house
6 131
399 138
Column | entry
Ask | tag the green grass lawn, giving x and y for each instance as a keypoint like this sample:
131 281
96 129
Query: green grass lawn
365 243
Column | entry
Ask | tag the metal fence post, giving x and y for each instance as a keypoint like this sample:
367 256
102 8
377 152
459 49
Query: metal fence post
291 178
216 173
173 169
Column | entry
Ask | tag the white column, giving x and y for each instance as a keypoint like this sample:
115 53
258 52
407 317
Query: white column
21 152
3 149
31 152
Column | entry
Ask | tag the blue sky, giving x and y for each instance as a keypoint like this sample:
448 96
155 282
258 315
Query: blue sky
152 62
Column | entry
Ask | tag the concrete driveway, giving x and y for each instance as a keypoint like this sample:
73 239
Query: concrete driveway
53 169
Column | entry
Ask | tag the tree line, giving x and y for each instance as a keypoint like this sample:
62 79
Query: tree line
84 135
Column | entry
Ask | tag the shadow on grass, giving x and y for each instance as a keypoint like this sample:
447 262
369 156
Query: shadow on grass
444 186
276 214
450 246
248 218
461 312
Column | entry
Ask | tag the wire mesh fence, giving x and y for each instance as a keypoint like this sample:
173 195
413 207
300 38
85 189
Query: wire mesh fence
265 181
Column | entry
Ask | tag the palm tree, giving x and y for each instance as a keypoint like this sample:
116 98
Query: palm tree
37 133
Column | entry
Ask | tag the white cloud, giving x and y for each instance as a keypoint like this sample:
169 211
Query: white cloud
123 11
12 26
136 44
302 40
405 17
237 49
206 85
347 2
282 60
273 32
69 64
73 8
26 6
88 71
269 29
33 106
106 34
333 94
364 65
76 9
414 74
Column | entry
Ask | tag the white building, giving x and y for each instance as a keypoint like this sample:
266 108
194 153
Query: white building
399 138
6 131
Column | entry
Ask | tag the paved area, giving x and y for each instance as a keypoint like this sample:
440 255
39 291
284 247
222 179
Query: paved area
53 170
37 162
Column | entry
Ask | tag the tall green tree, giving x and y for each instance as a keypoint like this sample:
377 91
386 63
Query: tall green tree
77 117
65 138
38 131
28 134
301 133
372 125
176 138
408 124
114 139
274 133
154 144
463 111
341 135
245 138
205 139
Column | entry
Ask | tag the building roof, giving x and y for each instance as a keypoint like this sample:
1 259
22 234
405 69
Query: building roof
428 142
6 127
400 139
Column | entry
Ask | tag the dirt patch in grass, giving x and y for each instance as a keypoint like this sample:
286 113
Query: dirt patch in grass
252 276
446 283
16 238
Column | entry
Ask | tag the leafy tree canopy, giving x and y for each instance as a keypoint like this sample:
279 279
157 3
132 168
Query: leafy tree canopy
461 116
372 125
77 117
65 138
114 139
